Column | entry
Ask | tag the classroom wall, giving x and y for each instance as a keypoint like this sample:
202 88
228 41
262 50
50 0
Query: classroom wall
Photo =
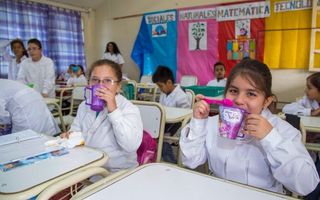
287 84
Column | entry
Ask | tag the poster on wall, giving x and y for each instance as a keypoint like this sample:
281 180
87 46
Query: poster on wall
242 28
156 42
238 49
197 48
159 30
197 36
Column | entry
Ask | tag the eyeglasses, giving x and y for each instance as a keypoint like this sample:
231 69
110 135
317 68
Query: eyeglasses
32 49
106 81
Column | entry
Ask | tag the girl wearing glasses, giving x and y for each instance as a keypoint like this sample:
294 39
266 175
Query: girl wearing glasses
117 129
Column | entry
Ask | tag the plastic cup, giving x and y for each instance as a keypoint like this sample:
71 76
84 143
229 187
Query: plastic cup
230 121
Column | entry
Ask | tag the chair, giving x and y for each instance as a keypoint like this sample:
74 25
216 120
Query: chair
129 89
56 112
65 95
146 79
71 181
188 80
191 96
77 95
153 118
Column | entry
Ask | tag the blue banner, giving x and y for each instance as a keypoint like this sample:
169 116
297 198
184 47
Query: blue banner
156 42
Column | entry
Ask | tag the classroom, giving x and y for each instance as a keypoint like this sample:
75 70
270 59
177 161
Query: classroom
104 96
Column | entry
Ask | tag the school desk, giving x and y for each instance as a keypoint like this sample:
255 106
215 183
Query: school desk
175 115
158 181
27 181
312 125
147 91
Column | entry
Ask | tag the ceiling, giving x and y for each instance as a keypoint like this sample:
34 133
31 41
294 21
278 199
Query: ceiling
81 3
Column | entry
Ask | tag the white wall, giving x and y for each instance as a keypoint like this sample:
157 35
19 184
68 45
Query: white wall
287 84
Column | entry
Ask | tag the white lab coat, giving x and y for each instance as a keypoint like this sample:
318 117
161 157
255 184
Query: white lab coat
278 159
26 108
119 133
301 107
117 58
77 81
14 67
177 98
216 83
40 73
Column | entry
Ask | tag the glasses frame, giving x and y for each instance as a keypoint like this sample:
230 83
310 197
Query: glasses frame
106 81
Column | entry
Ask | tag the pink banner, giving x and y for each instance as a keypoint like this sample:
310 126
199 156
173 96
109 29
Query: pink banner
197 43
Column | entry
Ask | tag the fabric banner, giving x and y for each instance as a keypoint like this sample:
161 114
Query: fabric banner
243 11
227 33
197 43
287 39
156 42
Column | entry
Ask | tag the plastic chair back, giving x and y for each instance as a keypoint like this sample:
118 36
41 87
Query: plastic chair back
188 80
153 119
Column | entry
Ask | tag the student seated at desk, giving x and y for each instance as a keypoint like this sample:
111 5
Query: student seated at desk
309 105
23 108
219 73
77 76
117 129
271 157
172 96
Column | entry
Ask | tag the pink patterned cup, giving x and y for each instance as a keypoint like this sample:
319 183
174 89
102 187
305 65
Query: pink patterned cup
230 121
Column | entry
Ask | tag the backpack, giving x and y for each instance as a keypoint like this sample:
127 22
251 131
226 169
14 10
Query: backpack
147 152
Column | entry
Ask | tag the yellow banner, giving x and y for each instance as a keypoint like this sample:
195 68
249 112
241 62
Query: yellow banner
287 38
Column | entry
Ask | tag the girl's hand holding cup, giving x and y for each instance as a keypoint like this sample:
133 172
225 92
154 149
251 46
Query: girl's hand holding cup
201 108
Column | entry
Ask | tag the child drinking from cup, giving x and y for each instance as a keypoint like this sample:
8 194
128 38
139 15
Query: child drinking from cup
274 156
77 76
117 129
309 105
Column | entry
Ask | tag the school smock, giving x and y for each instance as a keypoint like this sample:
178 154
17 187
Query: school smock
26 107
13 65
301 107
76 81
177 98
278 159
41 74
216 83
117 58
119 133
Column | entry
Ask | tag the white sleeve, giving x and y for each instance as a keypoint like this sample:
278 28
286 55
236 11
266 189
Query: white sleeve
183 101
49 79
70 81
82 80
120 59
289 160
78 120
22 74
297 108
127 127
192 143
